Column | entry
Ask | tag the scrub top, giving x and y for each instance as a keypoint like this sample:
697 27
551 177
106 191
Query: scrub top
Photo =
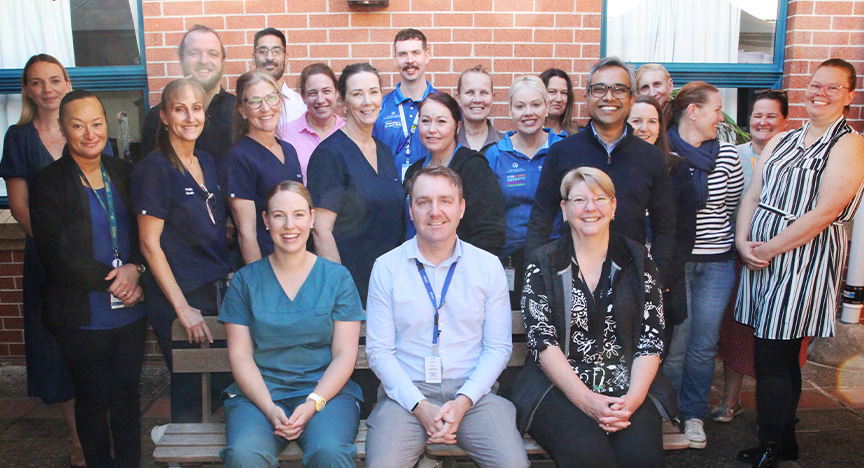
292 338
394 124
250 170
194 245
518 176
368 205
102 317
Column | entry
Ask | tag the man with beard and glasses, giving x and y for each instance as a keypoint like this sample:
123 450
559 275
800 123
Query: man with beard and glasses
202 57
269 55
397 123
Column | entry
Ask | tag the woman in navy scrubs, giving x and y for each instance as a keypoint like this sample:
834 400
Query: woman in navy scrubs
87 238
257 161
354 183
181 220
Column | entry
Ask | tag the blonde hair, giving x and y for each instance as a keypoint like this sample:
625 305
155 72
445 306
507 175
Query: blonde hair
288 186
241 125
29 110
649 67
529 81
594 178
173 92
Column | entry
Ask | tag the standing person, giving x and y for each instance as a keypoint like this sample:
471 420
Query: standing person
397 123
594 322
202 58
257 161
30 145
354 184
792 240
767 119
710 272
652 79
483 225
474 92
181 219
637 168
270 56
318 89
559 118
293 325
517 161
446 395
86 235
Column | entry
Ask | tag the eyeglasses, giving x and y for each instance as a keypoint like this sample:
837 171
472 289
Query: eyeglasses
599 90
773 92
257 102
212 211
274 50
830 90
599 201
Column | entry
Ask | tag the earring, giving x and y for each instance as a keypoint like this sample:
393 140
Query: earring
266 228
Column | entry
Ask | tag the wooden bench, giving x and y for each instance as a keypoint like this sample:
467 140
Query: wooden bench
196 444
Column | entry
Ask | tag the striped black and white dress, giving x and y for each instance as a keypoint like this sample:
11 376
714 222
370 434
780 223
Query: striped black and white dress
796 295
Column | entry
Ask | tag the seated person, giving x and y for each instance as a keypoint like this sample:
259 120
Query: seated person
582 392
293 323
438 362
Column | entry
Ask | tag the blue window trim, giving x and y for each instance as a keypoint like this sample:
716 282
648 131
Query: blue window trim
725 75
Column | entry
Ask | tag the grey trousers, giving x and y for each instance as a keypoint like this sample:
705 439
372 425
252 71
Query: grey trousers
487 433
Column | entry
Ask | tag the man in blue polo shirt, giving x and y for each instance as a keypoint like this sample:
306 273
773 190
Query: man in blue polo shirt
396 126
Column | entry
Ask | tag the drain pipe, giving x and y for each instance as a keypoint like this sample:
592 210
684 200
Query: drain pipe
853 292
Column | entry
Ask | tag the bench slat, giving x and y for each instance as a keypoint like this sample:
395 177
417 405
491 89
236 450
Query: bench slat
217 330
196 361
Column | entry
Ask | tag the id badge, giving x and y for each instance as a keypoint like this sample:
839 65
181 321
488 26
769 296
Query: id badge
433 369
116 303
510 272
405 170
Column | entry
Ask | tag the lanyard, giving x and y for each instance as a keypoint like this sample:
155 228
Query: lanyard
435 304
408 133
108 206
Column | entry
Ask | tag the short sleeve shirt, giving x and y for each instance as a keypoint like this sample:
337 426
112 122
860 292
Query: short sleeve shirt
304 139
250 170
194 246
394 127
368 204
292 337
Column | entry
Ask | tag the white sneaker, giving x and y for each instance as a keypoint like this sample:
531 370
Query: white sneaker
695 431
157 432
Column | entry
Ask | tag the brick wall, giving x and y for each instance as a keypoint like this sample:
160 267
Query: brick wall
11 320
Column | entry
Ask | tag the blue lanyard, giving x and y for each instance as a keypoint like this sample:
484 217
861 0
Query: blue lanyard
108 206
435 304
406 143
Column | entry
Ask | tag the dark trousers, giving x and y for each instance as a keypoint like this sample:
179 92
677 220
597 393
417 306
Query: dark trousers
105 366
778 389
573 439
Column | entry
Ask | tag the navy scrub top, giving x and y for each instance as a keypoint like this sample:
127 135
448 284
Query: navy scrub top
194 246
249 171
368 205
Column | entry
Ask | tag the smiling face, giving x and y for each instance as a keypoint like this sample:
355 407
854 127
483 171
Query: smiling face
270 61
46 85
475 96
528 110
706 117
320 97
265 118
410 59
184 116
608 111
821 106
202 59
557 97
766 120
362 98
437 127
289 220
645 121
589 219
85 128
655 84
436 209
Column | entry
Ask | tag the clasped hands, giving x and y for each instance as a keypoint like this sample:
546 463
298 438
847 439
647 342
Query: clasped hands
612 414
442 423
290 428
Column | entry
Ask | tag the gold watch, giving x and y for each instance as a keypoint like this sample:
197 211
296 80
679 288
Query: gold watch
319 401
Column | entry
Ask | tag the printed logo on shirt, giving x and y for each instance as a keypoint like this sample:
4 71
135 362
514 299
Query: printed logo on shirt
390 122
190 191
516 180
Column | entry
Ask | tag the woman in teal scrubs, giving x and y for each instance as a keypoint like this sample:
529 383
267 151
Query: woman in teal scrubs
293 324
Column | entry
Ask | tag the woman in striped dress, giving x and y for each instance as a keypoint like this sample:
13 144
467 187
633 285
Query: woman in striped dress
791 238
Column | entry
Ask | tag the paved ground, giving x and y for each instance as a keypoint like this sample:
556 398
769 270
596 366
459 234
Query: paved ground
831 431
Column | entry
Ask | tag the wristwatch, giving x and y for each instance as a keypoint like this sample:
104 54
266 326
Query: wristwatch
141 269
319 401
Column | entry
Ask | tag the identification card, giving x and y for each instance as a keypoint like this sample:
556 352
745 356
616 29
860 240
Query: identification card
433 369
116 303
510 272
405 170
117 263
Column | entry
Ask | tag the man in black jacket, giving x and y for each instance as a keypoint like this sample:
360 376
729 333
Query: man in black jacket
637 168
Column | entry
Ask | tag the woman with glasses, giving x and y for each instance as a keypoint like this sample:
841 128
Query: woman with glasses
593 318
257 161
181 223
791 238
559 116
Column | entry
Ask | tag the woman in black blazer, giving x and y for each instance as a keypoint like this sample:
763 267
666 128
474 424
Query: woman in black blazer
87 239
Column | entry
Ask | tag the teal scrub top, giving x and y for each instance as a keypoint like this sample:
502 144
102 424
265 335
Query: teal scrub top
292 338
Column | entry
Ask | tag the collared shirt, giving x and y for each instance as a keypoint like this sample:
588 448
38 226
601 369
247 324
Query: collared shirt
748 161
393 130
609 146
303 138
492 136
475 323
292 104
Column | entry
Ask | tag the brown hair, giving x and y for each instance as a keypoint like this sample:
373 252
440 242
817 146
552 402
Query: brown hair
474 69
288 186
181 49
447 101
351 70
410 34
172 92
241 125
29 110
312 70
843 65
566 118
694 92
662 139
435 171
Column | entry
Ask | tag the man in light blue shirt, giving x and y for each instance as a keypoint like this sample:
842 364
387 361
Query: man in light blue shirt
397 122
438 363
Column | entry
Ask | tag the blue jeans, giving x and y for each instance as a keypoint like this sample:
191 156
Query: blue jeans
327 440
690 364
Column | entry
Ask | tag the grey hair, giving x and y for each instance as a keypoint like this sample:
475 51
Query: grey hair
611 61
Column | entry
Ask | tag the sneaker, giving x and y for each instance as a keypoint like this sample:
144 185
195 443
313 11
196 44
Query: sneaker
724 414
157 432
695 431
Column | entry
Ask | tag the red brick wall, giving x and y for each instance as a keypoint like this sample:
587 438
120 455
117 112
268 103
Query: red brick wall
11 320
